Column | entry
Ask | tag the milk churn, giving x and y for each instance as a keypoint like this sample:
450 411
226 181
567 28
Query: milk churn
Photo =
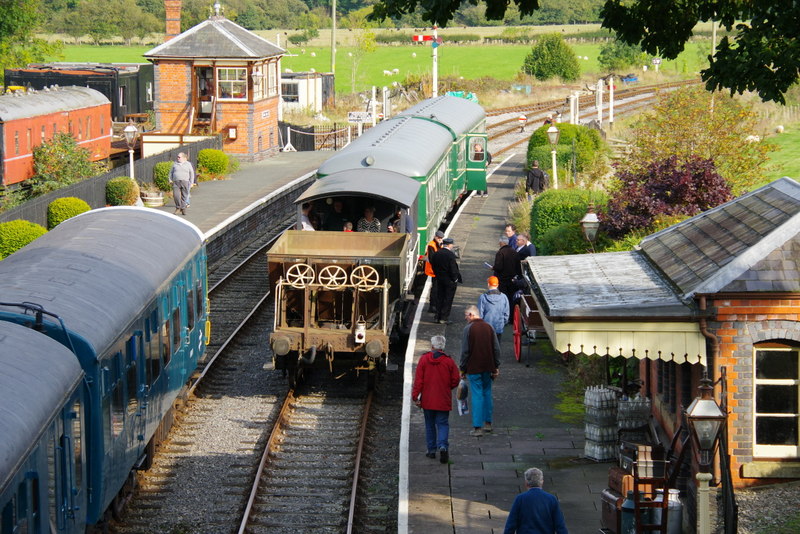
674 511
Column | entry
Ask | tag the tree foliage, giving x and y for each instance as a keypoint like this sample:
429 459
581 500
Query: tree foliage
550 58
684 123
19 19
666 187
60 162
618 55
762 54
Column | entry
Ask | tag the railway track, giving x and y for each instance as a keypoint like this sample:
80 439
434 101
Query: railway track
309 471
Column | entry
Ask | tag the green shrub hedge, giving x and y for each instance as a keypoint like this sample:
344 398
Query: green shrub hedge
587 143
121 191
212 163
62 209
161 175
16 234
555 207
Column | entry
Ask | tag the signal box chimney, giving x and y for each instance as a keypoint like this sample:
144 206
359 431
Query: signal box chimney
173 11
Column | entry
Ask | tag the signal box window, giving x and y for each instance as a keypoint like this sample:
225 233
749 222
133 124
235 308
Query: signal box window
232 83
777 390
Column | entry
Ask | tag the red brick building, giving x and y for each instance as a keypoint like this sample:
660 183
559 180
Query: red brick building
719 292
218 77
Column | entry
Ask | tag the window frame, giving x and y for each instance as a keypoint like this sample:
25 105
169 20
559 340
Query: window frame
221 79
767 450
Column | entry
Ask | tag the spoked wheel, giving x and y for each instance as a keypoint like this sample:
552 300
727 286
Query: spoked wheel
518 329
365 277
333 277
300 275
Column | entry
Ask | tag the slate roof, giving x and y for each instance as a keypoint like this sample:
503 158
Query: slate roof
216 37
709 252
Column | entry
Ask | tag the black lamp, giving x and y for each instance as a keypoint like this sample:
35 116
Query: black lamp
705 421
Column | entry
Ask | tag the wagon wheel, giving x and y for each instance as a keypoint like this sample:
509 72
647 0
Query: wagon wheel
333 277
518 330
300 275
365 277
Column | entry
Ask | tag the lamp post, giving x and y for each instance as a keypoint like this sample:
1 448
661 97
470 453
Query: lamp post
705 421
131 132
553 134
589 224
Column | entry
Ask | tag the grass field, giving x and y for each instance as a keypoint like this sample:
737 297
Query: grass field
786 161
502 62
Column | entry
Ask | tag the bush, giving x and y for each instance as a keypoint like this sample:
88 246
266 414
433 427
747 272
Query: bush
62 209
16 234
587 144
212 163
161 175
555 207
121 191
550 58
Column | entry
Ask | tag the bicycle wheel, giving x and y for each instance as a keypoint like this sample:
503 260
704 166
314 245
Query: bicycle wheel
518 329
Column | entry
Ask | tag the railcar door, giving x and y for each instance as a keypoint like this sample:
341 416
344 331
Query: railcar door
477 161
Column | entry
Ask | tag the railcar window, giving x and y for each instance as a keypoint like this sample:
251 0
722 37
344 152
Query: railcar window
165 339
16 142
7 517
80 129
44 134
22 507
152 346
176 327
132 383
190 309
51 476
200 300
29 146
77 446
35 504
88 127
117 410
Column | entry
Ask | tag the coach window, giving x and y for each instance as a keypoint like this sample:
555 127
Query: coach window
777 390
199 296
30 140
132 383
123 95
165 339
16 142
477 149
148 92
232 83
54 469
80 129
77 446
55 129
190 312
88 127
176 328
152 345
44 134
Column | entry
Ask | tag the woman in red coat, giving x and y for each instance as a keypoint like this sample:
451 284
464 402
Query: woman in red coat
436 376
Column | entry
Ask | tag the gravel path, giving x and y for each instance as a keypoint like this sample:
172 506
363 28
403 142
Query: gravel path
767 509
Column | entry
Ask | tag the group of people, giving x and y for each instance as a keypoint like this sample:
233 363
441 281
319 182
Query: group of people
514 247
336 220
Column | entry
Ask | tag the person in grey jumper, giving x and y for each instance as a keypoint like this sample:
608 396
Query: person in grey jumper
493 306
181 176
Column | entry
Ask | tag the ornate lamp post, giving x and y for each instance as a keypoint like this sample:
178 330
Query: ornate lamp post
705 422
553 134
589 224
131 132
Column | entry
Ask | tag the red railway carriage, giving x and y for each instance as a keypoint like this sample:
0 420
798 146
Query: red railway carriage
29 118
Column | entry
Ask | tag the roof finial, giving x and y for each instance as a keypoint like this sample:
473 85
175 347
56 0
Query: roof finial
216 8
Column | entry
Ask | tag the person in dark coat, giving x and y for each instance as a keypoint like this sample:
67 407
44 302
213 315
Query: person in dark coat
445 268
535 511
524 247
434 380
511 233
480 362
536 179
506 267
433 247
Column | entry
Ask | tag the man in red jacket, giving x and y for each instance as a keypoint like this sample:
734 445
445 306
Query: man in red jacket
434 381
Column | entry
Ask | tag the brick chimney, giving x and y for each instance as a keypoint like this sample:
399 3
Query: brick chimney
173 10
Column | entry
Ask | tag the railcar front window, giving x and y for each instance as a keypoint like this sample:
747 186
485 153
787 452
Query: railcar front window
777 394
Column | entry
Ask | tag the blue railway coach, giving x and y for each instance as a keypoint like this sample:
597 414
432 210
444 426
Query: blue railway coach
124 289
440 142
42 459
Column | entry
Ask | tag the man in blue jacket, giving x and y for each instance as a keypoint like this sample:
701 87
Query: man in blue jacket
535 511
493 306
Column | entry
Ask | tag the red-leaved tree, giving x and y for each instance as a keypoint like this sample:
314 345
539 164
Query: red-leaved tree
665 187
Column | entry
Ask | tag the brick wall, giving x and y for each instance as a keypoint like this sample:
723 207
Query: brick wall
741 323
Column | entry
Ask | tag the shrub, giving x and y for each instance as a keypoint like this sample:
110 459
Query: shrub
16 234
121 191
561 206
62 209
587 144
550 58
161 175
212 163
60 162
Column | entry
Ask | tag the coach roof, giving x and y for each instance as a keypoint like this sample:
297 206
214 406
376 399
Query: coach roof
55 99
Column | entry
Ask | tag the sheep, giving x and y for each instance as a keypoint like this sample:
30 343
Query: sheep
413 54
395 71
387 73
313 54
752 139
779 129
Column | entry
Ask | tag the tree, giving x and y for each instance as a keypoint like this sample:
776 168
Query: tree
19 19
762 55
666 187
60 162
618 55
551 57
682 124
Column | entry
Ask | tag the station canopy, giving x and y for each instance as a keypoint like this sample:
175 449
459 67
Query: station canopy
374 183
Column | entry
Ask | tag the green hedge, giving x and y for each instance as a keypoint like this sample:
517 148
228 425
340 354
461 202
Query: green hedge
16 234
212 162
587 143
62 209
121 191
161 175
555 207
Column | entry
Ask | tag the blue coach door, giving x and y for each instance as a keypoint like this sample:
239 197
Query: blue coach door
477 159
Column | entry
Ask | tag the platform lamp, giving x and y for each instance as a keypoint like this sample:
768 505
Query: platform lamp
705 419
553 134
590 224
131 132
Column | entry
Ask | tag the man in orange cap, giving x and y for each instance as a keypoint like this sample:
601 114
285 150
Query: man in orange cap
493 306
